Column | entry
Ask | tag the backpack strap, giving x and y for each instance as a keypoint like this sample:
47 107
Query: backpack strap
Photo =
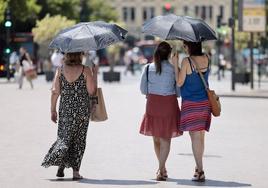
147 77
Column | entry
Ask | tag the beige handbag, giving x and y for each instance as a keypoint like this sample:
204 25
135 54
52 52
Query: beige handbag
100 113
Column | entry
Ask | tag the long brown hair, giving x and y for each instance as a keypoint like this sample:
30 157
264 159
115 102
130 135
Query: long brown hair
74 58
194 48
162 52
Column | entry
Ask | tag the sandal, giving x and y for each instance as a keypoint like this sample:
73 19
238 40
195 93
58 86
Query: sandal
199 176
160 176
195 172
165 173
60 172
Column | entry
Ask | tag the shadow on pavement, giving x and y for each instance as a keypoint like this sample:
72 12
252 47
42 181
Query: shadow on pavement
116 182
61 179
107 181
209 183
205 156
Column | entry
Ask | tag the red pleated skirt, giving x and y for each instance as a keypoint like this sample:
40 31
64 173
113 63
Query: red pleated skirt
162 117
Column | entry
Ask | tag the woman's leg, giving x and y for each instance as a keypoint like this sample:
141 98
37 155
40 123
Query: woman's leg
198 146
164 151
157 147
31 83
20 79
60 172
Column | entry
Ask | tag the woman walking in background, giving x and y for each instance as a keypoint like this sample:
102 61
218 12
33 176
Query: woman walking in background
74 83
195 109
25 63
162 110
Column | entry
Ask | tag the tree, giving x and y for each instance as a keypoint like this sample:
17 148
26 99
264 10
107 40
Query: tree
22 10
101 10
3 6
47 28
79 10
67 8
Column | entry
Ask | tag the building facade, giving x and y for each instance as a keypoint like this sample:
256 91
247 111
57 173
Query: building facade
135 12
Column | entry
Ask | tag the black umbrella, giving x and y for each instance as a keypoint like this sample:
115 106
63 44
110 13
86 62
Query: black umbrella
171 27
88 36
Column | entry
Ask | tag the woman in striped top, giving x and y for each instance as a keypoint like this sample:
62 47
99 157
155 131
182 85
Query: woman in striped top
195 109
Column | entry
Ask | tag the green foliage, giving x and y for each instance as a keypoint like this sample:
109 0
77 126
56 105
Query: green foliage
3 5
22 10
30 10
48 27
67 8
86 10
101 10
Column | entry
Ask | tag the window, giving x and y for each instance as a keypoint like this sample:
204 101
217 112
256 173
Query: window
152 10
132 13
222 11
196 9
210 12
185 10
203 13
144 13
125 14
148 12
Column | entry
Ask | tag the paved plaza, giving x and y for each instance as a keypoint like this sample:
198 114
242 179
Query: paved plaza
117 155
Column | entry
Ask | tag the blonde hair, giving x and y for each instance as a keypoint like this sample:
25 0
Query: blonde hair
74 58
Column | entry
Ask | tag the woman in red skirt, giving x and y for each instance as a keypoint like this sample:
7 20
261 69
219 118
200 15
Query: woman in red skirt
161 118
195 109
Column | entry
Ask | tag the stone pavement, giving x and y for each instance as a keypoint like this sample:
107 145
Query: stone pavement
116 155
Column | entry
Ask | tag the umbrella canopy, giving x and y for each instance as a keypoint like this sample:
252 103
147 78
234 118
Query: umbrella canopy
171 27
88 36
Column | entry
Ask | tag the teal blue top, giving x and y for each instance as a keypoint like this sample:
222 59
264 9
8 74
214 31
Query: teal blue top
193 89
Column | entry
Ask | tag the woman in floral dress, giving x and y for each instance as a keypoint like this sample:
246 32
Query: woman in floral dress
74 83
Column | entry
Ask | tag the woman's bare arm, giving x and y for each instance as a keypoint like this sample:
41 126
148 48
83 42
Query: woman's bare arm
91 80
55 92
182 73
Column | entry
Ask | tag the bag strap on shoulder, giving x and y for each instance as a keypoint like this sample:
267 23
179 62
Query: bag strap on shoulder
201 75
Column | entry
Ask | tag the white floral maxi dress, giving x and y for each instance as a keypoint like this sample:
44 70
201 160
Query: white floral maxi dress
74 114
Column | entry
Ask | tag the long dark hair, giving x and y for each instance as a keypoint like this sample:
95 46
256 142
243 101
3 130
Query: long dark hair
195 48
162 52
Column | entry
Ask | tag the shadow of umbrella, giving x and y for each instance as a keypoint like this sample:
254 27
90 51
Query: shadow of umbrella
209 183
116 182
106 181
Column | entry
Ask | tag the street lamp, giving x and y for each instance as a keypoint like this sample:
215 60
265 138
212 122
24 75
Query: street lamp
8 21
232 25
8 25
7 50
